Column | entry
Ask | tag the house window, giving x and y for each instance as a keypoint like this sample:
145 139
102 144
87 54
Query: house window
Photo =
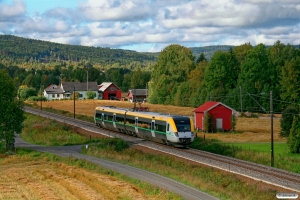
53 95
80 95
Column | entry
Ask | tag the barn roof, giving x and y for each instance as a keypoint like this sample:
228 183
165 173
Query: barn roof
210 105
106 85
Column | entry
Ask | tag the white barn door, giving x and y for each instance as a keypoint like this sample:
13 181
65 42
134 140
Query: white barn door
219 124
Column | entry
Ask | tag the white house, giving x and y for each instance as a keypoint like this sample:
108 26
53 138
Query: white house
66 89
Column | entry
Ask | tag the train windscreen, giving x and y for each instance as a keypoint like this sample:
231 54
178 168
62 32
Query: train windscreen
183 125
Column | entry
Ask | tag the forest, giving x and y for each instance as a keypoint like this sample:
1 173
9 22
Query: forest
244 77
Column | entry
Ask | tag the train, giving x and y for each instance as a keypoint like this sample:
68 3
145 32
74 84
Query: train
173 130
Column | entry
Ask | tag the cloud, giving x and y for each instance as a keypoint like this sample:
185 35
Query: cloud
154 24
11 12
121 10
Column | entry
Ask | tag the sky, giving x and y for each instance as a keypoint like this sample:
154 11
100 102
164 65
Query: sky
152 25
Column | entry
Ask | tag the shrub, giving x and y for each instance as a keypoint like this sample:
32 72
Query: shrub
208 123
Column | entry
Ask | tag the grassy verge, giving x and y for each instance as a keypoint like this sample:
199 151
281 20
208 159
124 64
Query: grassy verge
215 182
43 131
253 152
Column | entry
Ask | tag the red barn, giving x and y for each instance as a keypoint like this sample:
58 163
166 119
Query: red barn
109 91
220 113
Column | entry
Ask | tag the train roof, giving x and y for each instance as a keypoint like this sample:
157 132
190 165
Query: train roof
138 113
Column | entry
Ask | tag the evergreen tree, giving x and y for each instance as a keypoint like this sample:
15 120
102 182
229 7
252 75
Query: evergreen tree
294 137
201 58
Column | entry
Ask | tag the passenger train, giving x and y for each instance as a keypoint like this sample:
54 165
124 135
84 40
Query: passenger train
167 129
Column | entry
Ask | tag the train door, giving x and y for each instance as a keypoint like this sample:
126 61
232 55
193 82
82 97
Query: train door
102 120
114 120
136 124
153 128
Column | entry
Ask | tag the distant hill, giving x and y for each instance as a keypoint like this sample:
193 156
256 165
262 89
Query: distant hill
26 50
209 51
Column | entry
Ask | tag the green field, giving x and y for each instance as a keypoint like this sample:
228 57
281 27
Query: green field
280 148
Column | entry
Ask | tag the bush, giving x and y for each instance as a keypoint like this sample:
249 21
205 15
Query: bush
37 98
115 144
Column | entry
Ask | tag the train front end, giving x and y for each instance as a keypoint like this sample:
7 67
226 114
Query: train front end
182 132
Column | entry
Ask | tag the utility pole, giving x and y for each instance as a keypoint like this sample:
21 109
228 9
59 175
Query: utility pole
146 91
41 96
272 142
241 99
74 101
87 80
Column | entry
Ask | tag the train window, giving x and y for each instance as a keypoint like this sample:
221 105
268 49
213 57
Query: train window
114 118
168 127
102 117
136 122
130 121
98 115
119 119
161 128
110 118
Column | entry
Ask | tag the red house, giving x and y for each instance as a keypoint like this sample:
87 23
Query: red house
109 91
220 113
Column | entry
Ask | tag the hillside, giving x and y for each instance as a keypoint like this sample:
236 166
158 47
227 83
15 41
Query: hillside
27 50
30 50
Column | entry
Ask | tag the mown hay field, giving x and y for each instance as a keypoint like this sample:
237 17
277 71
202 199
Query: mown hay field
27 178
247 129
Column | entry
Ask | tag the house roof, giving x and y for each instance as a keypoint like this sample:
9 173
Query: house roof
210 105
53 89
138 92
79 86
106 85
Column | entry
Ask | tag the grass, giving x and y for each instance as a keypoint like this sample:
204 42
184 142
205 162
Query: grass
253 152
215 182
43 131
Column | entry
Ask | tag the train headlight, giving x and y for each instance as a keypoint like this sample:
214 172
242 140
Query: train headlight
192 134
176 134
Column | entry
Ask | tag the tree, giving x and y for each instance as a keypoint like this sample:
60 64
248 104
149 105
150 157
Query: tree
294 137
90 95
287 120
221 74
201 58
11 112
174 65
290 81
255 76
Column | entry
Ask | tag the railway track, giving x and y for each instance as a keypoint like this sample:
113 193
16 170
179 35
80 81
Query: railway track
269 175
